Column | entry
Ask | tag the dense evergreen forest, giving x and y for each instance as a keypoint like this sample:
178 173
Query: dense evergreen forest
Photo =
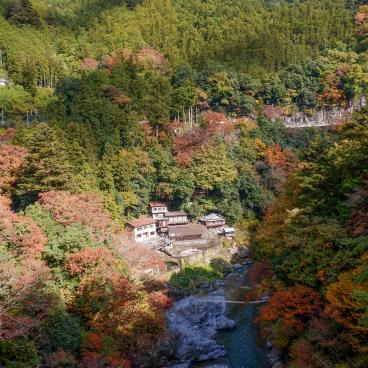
108 105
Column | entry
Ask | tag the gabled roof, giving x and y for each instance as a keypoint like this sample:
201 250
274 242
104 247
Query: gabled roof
185 230
175 213
142 221
229 230
157 204
213 217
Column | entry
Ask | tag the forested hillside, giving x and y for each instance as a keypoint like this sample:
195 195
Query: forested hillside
108 105
315 237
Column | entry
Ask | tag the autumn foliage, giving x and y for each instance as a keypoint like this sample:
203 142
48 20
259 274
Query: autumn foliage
292 308
217 123
347 306
86 209
115 313
187 145
23 236
11 160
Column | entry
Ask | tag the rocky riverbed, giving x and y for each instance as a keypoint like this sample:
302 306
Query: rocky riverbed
212 332
195 321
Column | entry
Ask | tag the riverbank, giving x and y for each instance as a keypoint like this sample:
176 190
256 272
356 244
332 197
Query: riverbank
217 330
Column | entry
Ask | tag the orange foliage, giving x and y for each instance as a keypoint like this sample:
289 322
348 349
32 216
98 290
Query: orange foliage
11 161
27 238
259 271
112 306
61 358
281 163
187 145
272 112
140 258
86 209
22 283
301 354
89 64
78 263
358 220
332 94
217 122
159 300
7 135
115 95
361 19
347 310
146 57
292 307
276 157
155 59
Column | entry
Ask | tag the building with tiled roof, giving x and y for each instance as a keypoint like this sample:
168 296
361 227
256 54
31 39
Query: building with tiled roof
177 217
213 220
142 229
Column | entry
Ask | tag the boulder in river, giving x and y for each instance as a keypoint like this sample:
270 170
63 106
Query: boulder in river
195 321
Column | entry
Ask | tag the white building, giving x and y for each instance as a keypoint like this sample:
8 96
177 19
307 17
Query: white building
229 232
158 210
4 82
142 229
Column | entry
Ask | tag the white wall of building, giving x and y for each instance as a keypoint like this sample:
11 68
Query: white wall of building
145 232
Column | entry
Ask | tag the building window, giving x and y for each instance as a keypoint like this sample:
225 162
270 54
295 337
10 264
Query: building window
139 235
152 233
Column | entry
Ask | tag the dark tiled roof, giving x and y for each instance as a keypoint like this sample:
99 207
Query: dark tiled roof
187 230
157 204
142 221
213 217
175 214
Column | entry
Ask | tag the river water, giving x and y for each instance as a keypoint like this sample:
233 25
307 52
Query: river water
244 345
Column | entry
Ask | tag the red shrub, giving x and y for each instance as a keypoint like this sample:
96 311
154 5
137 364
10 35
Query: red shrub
292 307
27 238
86 209
11 161
218 123
156 59
188 144
302 355
77 263
159 300
89 64
259 271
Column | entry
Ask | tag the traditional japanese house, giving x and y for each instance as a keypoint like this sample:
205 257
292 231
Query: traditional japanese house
228 232
158 210
213 220
177 218
142 229
187 232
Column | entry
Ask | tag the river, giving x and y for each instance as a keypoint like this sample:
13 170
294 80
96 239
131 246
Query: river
244 346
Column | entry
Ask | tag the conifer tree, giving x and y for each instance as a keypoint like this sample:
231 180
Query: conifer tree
47 167
21 12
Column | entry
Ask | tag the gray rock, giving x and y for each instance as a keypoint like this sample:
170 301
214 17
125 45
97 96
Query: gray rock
195 320
180 365
278 365
237 266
